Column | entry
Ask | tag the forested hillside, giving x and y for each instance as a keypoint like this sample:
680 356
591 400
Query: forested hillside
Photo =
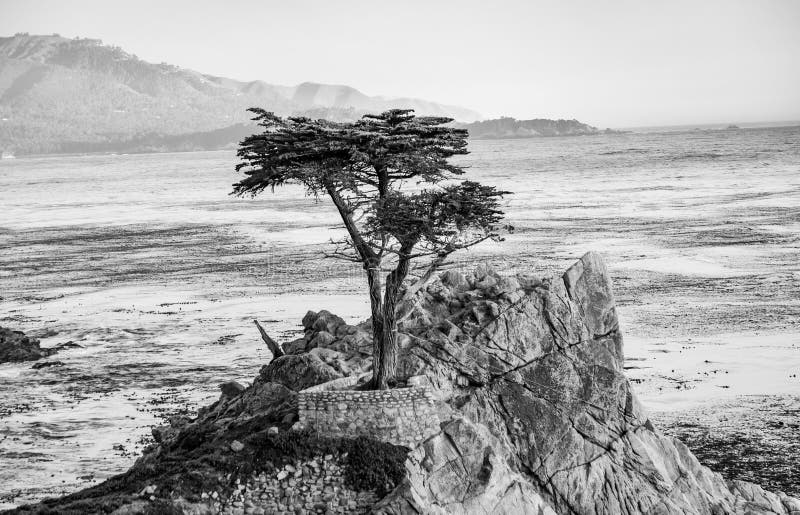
60 95
79 95
500 128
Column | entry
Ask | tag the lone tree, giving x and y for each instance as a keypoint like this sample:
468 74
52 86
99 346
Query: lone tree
389 177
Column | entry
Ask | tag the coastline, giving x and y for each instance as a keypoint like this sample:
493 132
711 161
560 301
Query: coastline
690 264
619 131
750 438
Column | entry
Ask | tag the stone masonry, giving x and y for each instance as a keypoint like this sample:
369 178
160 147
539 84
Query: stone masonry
401 416
305 487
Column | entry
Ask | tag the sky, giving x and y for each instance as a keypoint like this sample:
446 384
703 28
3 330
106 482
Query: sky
615 63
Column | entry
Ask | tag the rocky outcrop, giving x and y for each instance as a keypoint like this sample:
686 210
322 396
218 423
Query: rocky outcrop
503 128
463 470
539 364
536 413
15 346
298 371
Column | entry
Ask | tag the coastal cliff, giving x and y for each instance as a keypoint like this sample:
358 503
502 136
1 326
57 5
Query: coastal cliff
524 376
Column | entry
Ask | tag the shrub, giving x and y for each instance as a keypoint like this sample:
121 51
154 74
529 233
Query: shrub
370 464
373 465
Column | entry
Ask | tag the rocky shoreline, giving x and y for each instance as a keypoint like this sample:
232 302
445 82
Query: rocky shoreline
536 417
749 438
16 346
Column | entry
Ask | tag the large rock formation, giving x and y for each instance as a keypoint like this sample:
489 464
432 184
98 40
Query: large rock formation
537 416
540 365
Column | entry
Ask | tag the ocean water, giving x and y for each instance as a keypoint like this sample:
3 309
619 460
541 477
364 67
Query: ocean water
149 265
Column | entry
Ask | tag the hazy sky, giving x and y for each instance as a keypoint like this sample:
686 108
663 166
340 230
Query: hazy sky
609 63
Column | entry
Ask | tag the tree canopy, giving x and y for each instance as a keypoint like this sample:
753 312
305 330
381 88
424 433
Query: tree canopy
391 181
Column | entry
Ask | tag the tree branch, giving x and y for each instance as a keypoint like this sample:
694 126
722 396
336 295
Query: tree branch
364 251
274 347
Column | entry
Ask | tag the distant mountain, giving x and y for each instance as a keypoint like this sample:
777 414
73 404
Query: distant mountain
503 128
79 95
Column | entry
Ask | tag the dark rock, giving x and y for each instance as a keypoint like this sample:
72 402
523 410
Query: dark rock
337 360
169 431
344 330
46 364
322 339
297 346
359 342
67 345
262 397
162 433
309 319
15 346
298 371
326 321
231 389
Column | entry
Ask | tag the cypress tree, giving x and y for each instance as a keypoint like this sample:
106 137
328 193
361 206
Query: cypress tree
390 179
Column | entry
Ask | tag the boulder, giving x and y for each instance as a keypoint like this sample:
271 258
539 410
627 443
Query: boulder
323 321
309 319
356 342
15 346
335 359
231 388
321 339
262 397
454 280
297 346
170 430
298 371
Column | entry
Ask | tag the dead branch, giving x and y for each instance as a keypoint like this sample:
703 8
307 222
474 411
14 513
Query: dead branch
274 347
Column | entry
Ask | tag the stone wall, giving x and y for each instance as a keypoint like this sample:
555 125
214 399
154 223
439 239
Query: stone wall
401 416
307 487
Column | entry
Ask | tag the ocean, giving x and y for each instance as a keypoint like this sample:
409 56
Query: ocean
148 264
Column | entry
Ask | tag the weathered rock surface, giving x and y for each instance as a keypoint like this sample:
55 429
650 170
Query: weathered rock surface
15 346
539 364
537 415
298 371
231 388
463 470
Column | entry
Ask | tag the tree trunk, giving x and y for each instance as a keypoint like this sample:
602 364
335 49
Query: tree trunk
376 304
385 358
433 267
